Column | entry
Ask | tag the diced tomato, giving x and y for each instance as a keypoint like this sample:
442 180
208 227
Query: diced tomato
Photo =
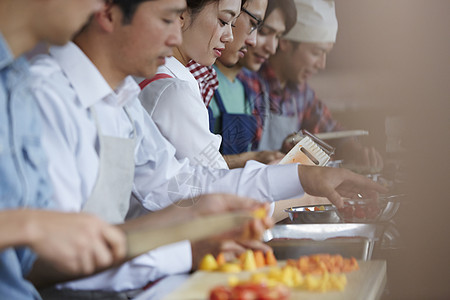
246 291
347 212
243 294
372 210
359 213
220 293
250 291
278 292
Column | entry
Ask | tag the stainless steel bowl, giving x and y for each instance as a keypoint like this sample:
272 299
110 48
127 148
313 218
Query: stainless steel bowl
392 204
382 209
313 214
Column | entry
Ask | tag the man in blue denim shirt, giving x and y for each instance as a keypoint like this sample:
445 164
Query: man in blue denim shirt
23 182
59 239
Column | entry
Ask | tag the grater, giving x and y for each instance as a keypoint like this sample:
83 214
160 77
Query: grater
309 150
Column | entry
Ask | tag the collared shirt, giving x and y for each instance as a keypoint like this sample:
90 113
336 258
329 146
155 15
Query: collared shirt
206 77
24 181
313 115
176 106
66 85
60 82
179 100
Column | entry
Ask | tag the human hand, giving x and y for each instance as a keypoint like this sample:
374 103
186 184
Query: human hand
268 157
75 243
233 242
220 203
208 204
203 205
335 183
289 142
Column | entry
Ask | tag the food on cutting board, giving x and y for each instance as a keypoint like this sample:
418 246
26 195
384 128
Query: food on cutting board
220 259
270 259
208 263
248 261
315 273
250 291
319 264
292 277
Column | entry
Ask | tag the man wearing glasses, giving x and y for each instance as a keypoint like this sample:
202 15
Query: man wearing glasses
231 111
291 103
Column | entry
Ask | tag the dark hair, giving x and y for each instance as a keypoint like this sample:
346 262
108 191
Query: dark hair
287 8
195 6
128 8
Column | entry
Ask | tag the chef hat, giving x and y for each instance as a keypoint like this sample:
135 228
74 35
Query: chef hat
316 22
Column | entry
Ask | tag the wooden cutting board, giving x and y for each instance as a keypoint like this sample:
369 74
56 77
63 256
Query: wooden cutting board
367 283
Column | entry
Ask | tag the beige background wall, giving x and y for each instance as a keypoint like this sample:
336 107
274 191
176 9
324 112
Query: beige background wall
380 43
393 58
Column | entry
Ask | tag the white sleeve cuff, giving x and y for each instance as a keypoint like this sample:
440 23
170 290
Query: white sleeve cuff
284 182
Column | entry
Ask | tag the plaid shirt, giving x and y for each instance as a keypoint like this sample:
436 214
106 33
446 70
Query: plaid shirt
206 78
313 115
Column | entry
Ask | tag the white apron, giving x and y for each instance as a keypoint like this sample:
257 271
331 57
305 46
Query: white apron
110 197
276 128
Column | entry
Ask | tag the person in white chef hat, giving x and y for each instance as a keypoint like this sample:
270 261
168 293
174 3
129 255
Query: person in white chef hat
301 54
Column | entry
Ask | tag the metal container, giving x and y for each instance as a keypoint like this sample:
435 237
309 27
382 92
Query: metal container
359 248
382 209
313 214
347 239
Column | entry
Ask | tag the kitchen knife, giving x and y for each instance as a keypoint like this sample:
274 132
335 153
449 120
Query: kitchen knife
143 240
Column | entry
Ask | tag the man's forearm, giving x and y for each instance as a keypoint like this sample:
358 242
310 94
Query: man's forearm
16 228
238 160
162 218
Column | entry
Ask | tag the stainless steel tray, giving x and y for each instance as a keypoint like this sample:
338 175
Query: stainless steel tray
359 248
320 232
347 239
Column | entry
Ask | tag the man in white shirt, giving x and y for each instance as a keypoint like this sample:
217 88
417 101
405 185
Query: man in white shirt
88 100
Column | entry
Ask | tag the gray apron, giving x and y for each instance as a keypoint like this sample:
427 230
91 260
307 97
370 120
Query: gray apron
110 197
276 128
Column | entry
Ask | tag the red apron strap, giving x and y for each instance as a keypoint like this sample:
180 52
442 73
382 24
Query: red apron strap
146 82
